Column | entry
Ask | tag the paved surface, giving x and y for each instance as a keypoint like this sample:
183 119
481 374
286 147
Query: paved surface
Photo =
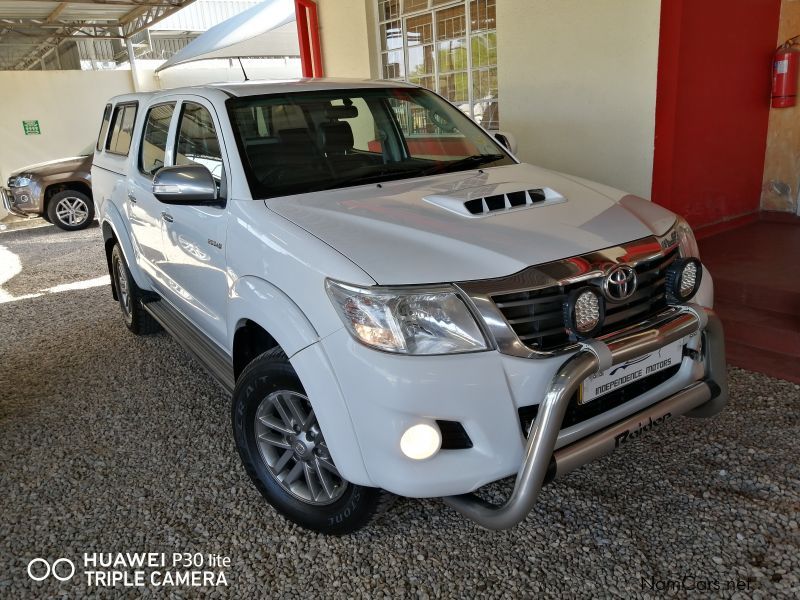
11 222
112 443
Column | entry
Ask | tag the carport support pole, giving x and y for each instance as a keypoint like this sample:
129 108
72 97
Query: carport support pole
132 61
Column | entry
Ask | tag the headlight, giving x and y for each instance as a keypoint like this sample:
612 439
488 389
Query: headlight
683 279
23 180
584 312
408 321
687 245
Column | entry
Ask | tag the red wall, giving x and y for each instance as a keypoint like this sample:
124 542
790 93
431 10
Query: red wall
712 106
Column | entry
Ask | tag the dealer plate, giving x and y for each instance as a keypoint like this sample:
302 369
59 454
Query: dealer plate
630 371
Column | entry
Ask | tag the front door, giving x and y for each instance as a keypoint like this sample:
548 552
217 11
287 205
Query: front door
194 237
144 210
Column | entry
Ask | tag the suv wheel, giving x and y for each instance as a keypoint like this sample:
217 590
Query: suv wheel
70 210
284 452
137 319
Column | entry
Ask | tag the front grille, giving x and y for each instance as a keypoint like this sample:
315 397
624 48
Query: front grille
577 413
536 316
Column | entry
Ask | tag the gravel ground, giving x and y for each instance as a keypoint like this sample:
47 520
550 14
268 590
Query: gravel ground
113 443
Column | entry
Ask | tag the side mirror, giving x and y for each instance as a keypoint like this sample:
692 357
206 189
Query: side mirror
507 139
185 184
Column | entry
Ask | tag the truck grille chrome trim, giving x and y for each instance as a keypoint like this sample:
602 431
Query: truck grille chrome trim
540 463
524 311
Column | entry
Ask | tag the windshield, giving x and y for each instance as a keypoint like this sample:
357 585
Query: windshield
310 141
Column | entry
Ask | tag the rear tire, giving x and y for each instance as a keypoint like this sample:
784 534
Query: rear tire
129 295
284 452
70 210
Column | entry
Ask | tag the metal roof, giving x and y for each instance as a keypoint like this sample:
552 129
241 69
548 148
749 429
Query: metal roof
304 84
272 86
29 29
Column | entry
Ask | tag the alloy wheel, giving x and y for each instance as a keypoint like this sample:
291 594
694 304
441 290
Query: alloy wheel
293 449
72 211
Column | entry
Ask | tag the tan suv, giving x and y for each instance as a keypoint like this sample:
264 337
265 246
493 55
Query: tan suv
58 190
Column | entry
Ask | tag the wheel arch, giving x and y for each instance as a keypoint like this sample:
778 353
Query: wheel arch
109 241
114 232
263 317
64 186
249 340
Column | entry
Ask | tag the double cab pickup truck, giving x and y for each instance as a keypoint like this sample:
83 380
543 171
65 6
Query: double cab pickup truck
394 302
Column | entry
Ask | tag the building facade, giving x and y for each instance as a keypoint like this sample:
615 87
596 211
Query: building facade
592 88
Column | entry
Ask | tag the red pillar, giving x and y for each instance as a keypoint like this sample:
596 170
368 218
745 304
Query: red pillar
308 36
712 107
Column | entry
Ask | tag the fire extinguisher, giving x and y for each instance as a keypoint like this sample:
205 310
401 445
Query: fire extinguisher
785 73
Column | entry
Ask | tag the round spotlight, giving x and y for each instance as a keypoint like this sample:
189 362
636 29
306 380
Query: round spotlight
584 310
683 279
421 441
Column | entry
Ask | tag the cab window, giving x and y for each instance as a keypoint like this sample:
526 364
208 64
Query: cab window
104 127
154 138
197 142
122 121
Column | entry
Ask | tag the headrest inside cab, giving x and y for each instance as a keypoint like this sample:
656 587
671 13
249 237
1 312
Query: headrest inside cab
341 112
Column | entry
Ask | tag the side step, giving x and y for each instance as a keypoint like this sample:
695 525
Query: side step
218 364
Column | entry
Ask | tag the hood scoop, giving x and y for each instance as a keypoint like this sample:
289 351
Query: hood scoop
477 204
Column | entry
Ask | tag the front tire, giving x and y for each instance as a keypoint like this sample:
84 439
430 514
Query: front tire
70 210
284 452
129 295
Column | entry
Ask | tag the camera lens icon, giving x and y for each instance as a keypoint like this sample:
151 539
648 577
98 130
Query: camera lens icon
62 569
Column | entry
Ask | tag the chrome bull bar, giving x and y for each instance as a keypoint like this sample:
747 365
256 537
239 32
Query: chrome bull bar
5 198
540 464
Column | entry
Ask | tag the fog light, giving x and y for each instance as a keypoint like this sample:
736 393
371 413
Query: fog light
584 310
421 441
683 279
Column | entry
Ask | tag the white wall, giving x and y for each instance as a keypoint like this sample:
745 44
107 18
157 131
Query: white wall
67 104
577 79
577 86
347 37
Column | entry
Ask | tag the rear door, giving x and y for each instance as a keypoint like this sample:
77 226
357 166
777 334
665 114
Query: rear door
194 237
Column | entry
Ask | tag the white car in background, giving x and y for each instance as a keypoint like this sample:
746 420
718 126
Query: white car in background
392 299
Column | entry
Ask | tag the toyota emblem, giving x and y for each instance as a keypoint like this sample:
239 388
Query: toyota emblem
620 283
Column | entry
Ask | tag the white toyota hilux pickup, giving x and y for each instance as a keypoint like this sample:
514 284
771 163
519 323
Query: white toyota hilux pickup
393 300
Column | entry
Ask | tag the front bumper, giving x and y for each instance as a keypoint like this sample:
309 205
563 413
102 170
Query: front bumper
543 462
10 204
378 396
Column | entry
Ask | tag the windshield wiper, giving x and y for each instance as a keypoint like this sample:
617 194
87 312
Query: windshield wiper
476 160
379 175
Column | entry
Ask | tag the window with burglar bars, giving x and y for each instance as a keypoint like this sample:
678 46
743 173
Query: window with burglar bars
448 46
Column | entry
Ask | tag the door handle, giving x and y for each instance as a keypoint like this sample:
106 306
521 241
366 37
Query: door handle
132 197
167 217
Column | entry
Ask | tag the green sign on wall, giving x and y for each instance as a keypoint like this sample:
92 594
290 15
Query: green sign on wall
31 127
